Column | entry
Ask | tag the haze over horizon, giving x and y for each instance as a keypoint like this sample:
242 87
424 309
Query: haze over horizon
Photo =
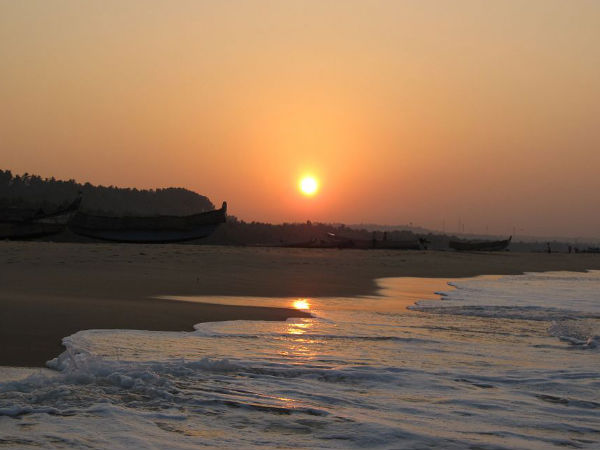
424 112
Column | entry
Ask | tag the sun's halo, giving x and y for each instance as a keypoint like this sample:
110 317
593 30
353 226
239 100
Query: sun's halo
309 185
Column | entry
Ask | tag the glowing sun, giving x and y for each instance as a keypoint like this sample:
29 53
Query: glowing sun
301 304
309 185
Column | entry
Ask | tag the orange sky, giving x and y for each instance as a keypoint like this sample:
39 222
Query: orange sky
424 112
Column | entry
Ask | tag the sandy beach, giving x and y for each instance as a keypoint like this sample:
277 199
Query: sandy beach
49 290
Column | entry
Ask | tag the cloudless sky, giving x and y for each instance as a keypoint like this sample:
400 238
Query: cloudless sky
427 112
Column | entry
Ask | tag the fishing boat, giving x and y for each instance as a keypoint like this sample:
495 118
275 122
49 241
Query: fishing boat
328 240
28 223
592 250
313 243
414 244
480 246
150 229
335 241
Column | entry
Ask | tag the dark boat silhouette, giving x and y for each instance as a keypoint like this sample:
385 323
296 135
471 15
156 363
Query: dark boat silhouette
152 229
27 223
335 241
384 244
414 244
480 246
591 250
313 243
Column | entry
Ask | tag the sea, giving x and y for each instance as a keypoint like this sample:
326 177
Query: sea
509 362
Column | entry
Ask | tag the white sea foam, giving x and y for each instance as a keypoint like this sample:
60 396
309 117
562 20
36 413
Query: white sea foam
507 363
569 302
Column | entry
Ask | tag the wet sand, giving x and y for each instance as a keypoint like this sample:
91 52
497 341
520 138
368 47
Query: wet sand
50 290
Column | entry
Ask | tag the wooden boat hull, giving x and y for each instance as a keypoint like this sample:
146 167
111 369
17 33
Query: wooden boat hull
29 230
39 224
483 246
159 229
146 237
401 245
319 243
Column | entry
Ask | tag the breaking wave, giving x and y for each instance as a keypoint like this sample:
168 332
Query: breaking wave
496 364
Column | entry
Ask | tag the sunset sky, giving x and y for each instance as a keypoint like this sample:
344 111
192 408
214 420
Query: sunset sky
427 112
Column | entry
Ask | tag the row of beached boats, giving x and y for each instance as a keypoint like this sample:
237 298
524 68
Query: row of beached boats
21 223
332 240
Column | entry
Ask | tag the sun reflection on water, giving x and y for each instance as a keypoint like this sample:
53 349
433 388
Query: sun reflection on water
298 328
301 303
299 343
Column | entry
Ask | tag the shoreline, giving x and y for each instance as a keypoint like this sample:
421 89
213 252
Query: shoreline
32 342
49 290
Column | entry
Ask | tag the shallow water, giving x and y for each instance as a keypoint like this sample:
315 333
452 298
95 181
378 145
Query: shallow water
509 362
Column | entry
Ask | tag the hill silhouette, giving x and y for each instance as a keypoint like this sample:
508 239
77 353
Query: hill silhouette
33 191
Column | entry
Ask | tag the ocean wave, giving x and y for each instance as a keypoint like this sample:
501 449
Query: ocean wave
384 379
506 312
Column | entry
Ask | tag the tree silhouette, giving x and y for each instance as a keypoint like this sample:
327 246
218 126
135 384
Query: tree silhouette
33 191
